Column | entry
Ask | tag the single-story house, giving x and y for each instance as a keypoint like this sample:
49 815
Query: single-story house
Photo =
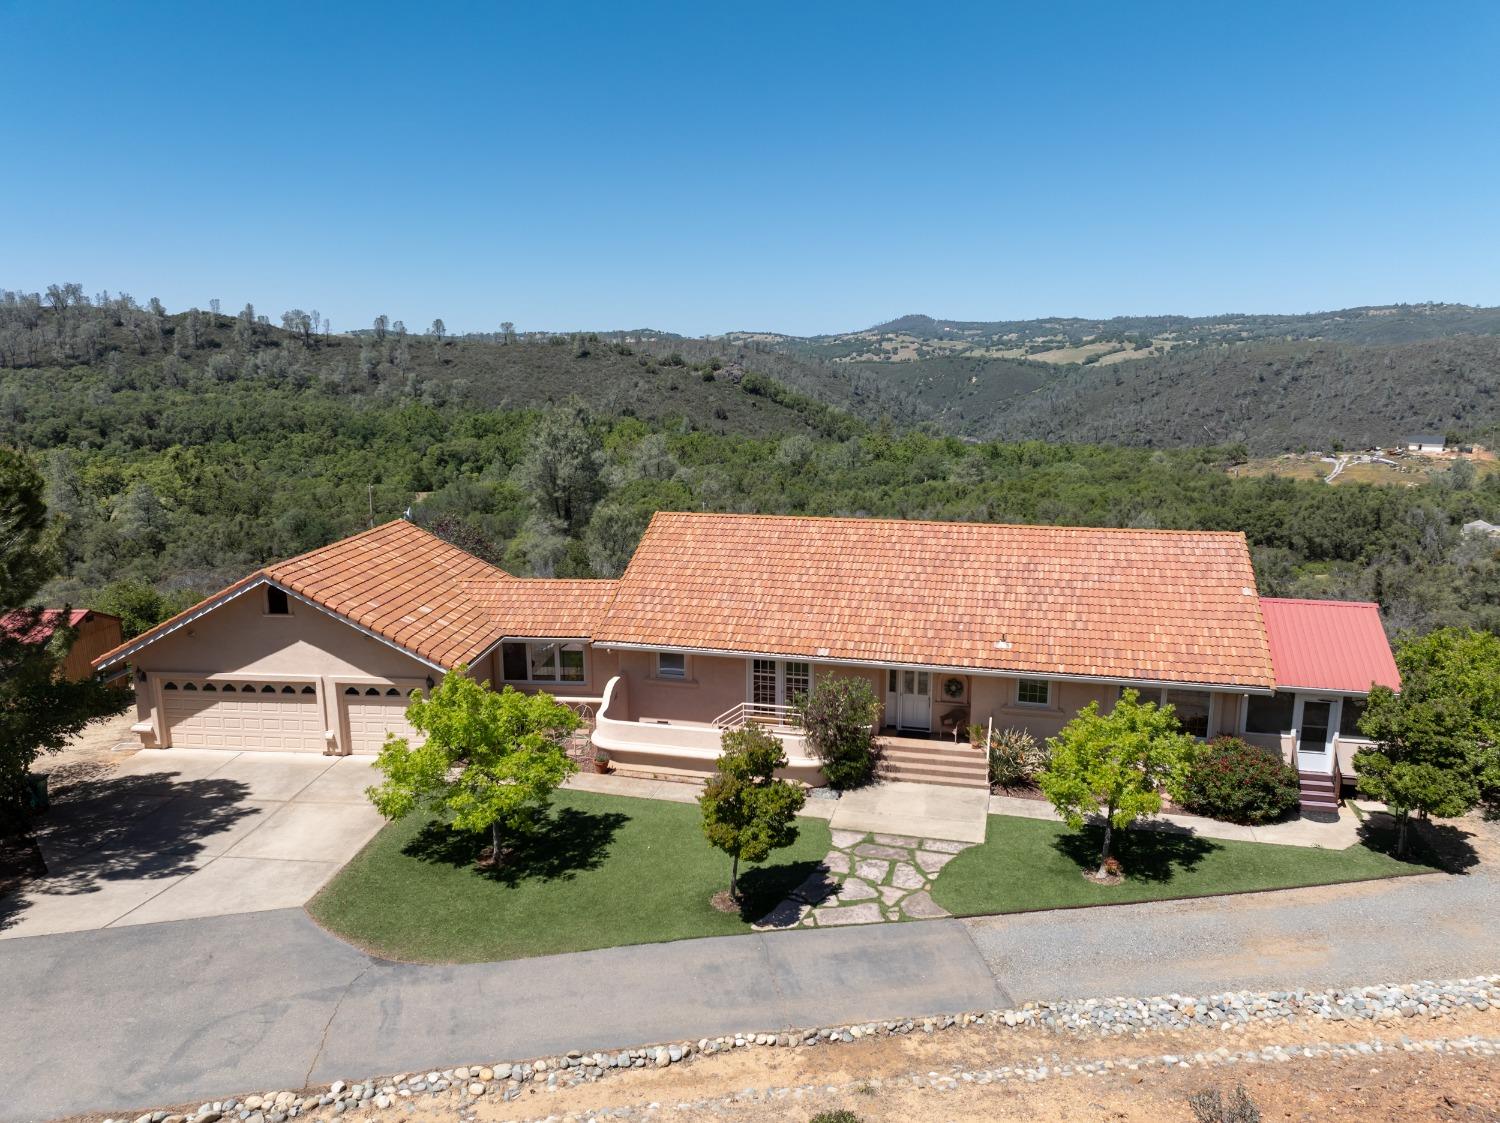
1426 442
94 634
722 619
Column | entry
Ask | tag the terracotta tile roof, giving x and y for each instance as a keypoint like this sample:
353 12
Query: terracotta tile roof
402 583
1170 606
545 606
1329 645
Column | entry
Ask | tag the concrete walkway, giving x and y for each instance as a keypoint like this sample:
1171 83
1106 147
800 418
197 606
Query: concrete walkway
1338 835
177 833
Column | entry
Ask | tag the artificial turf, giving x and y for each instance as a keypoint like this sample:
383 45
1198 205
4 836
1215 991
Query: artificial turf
604 871
1029 864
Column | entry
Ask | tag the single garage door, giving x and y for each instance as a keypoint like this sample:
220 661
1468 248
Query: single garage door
373 711
277 716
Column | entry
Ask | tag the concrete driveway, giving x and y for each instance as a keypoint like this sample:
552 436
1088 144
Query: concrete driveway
175 834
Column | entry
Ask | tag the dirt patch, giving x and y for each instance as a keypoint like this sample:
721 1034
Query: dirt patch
867 1077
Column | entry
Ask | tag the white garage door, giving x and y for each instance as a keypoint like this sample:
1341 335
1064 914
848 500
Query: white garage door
373 711
232 715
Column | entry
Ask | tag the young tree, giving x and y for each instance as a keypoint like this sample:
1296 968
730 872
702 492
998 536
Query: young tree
839 717
1115 765
747 812
1438 741
39 709
438 329
488 762
382 325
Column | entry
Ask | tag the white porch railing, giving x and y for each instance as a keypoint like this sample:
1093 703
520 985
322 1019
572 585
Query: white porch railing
758 713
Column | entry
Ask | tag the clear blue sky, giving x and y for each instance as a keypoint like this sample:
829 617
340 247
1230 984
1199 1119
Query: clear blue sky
801 167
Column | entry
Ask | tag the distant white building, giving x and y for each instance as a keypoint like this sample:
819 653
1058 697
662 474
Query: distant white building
1426 442
1479 526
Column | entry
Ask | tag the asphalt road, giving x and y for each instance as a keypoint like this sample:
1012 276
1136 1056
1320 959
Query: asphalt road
137 1017
190 1010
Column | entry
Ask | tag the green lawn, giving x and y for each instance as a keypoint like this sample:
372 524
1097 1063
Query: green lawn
606 871
1027 864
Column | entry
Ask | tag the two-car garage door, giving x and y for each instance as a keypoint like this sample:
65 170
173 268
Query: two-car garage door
280 716
252 715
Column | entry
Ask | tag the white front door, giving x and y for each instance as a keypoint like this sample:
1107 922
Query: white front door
914 700
1316 723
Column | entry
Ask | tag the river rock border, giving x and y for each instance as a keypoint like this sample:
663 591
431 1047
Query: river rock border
1385 1003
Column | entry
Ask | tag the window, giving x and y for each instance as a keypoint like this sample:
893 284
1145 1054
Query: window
1033 692
1354 709
542 661
778 682
513 661
1269 715
671 664
277 603
1192 709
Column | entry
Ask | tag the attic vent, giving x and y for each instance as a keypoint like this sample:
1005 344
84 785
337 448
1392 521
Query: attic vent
822 653
1003 644
1247 591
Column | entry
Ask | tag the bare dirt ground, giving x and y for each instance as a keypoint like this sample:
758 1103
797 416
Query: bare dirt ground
97 750
866 1078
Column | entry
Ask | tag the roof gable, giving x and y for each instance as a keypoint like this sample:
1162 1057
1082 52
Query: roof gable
1338 646
396 581
1169 606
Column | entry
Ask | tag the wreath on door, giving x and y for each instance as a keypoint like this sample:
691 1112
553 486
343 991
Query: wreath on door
954 688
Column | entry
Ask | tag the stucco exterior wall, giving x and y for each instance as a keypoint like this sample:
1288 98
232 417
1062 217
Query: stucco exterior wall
240 639
599 666
996 698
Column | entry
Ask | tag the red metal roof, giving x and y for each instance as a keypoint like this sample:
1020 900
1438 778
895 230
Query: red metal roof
1328 645
22 625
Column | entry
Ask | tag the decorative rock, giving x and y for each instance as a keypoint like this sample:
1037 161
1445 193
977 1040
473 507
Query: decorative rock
845 839
476 1089
890 894
836 862
895 840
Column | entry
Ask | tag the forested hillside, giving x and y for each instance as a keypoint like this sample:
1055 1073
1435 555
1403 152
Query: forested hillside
182 451
1272 397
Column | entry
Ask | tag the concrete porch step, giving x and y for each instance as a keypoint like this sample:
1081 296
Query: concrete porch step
937 764
946 779
948 754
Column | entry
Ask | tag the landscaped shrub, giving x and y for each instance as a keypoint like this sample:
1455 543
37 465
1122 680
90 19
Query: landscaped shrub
1015 755
838 718
1239 783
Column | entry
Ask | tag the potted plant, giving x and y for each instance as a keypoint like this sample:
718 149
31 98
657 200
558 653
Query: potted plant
601 760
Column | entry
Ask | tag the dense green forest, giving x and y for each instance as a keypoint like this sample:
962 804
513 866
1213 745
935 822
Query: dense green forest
214 443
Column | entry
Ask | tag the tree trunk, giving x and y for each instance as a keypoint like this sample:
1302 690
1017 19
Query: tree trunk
495 842
1109 831
1401 823
734 878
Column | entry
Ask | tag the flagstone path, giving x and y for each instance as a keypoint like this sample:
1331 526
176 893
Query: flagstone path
867 879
